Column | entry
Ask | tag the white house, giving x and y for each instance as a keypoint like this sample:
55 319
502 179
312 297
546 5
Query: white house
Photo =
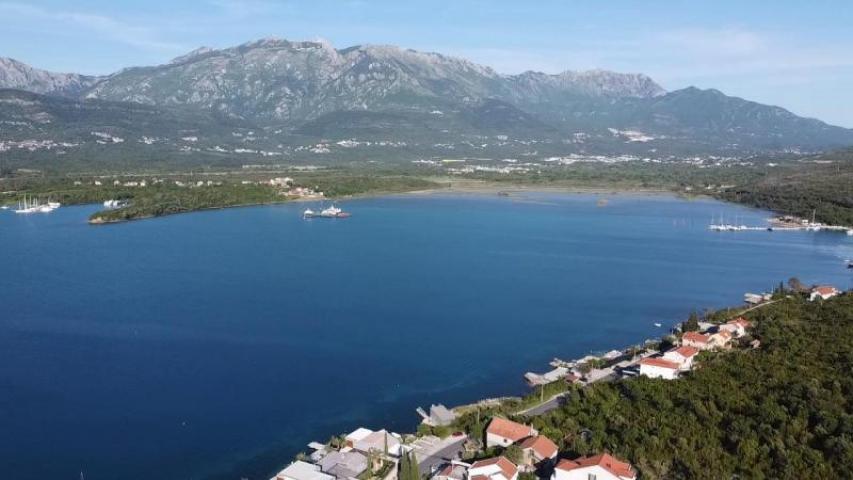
503 433
383 441
598 467
659 368
824 292
683 356
497 468
299 470
736 327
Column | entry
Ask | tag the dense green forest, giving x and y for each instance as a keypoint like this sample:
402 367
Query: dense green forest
782 411
821 185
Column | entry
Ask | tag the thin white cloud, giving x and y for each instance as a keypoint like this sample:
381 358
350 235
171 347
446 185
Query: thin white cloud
111 28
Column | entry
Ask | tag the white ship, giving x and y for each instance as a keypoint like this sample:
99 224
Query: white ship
331 212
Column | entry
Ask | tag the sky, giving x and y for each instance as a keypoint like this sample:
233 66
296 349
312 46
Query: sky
795 54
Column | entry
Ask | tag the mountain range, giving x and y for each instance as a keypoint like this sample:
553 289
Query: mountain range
298 94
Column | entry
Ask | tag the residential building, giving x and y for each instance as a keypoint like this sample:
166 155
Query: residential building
497 468
503 433
698 340
382 441
538 450
344 465
356 435
824 292
656 367
299 470
720 339
599 467
452 471
683 356
736 327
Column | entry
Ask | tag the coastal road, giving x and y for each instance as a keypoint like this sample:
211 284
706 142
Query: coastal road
435 453
545 407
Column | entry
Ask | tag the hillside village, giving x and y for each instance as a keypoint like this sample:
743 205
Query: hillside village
450 445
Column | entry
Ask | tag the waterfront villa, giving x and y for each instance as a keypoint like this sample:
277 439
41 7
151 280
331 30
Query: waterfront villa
503 433
299 470
599 467
367 441
538 450
656 367
497 468
344 465
683 356
736 327
824 292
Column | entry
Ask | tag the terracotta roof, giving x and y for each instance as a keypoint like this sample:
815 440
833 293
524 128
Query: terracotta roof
724 333
825 289
695 337
686 351
604 460
541 445
508 468
509 429
449 469
740 321
659 362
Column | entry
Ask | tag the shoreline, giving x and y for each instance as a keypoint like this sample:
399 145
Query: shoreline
464 187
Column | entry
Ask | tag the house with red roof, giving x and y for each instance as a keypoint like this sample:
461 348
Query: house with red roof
503 433
720 339
697 340
683 356
598 467
824 292
538 450
497 468
657 367
736 327
452 471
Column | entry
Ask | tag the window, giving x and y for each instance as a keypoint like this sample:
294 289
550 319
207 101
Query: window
590 476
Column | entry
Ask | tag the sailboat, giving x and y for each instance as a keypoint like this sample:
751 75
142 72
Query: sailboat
34 206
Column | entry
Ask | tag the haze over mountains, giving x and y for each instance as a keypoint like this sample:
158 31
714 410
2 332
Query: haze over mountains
298 94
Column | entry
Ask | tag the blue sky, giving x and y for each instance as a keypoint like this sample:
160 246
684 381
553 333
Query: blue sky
795 54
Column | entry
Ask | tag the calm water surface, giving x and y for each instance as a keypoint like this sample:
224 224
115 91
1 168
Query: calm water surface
220 343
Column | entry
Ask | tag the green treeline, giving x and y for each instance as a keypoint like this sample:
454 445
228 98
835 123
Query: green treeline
782 411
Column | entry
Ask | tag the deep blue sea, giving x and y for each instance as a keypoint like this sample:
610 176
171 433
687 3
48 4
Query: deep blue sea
219 343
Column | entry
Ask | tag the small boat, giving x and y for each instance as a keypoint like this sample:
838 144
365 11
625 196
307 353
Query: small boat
658 324
4 207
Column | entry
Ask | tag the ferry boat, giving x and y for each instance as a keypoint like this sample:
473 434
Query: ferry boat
331 212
